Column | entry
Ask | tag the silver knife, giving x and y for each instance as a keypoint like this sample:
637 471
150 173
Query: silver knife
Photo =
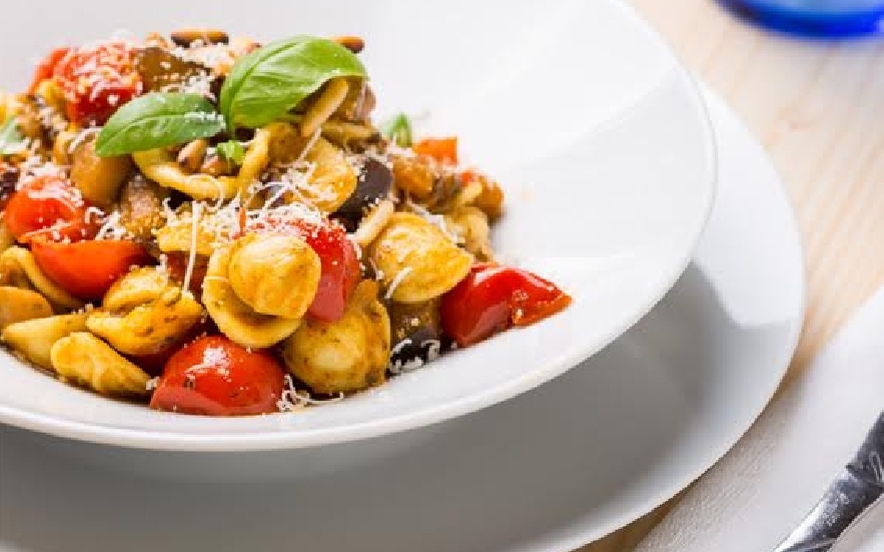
854 492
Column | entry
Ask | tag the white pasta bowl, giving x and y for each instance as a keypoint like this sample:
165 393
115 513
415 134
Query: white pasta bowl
598 136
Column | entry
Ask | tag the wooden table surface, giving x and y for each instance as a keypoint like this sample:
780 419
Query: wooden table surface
818 108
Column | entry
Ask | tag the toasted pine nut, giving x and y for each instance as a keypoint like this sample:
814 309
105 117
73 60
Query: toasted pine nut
186 37
353 43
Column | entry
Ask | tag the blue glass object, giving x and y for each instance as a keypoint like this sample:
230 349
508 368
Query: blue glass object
814 18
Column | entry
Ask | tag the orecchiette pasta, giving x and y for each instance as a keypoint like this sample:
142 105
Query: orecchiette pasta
18 305
34 339
417 261
332 180
374 222
84 359
274 275
148 327
344 356
161 166
18 261
236 319
470 225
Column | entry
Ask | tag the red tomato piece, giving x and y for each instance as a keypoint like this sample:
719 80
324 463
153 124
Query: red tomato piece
97 80
443 150
340 266
494 298
46 68
86 269
49 207
216 377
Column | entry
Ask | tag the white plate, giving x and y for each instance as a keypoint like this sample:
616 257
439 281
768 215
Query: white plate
600 138
549 471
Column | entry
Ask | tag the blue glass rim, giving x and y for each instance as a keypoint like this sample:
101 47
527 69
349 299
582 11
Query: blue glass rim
810 23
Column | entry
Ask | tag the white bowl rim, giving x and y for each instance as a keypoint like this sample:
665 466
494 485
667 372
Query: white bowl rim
297 439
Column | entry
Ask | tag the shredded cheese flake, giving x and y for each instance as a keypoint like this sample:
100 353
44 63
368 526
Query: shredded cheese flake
400 277
194 234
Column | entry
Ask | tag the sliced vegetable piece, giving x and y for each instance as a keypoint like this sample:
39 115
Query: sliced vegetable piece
214 376
87 269
493 298
443 150
49 207
97 80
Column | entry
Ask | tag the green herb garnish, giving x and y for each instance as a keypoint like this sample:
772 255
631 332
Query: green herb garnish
398 130
157 120
11 140
269 82
232 150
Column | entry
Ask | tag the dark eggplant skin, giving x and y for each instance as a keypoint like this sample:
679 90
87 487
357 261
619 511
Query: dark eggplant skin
159 68
375 182
420 324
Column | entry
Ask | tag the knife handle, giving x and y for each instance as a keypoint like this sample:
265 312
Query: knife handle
853 492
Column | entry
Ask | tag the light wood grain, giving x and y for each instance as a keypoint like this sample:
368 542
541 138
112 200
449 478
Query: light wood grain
818 108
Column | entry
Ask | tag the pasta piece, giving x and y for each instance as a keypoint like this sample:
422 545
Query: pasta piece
17 261
414 177
344 356
18 305
330 98
7 240
161 166
416 260
141 285
333 180
33 339
83 358
178 237
374 222
236 319
471 225
275 275
149 328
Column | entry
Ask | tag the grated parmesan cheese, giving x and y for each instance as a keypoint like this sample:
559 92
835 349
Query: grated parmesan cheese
397 281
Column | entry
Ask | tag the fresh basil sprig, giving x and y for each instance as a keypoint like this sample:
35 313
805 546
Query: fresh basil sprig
157 120
398 130
11 140
232 150
267 83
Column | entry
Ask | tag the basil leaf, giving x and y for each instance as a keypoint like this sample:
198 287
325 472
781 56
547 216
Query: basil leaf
272 80
232 151
398 130
11 140
157 120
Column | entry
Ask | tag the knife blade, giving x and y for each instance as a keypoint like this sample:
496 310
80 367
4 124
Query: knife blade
853 492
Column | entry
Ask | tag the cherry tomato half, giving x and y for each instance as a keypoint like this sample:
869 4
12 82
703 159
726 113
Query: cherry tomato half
49 207
46 68
493 298
216 377
86 269
97 80
340 266
443 150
